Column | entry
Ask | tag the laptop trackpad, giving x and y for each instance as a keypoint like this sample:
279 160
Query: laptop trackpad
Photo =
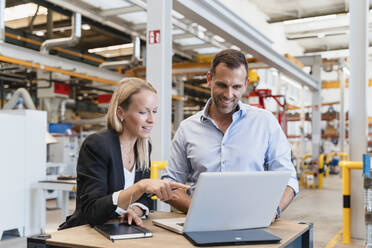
232 237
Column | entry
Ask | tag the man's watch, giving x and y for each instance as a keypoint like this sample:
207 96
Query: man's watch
277 213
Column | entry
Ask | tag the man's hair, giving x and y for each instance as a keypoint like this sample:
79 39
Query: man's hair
232 58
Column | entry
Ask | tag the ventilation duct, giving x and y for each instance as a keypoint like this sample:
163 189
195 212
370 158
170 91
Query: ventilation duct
70 41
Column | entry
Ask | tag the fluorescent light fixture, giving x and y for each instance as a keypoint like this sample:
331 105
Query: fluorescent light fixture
110 48
235 47
219 38
310 19
190 41
177 31
177 15
39 33
201 28
321 35
207 50
85 27
135 17
104 4
23 11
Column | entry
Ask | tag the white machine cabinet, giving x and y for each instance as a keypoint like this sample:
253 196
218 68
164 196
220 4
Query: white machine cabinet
22 164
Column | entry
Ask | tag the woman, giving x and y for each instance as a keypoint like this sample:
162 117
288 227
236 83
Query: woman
113 166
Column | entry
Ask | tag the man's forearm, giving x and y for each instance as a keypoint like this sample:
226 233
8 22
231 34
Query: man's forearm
286 199
183 201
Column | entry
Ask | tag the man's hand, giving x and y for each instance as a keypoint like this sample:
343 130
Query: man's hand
181 201
286 199
133 214
276 217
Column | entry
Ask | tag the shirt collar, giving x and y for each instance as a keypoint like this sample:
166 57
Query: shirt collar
242 110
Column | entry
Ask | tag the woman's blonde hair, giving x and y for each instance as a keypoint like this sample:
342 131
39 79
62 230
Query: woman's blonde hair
122 97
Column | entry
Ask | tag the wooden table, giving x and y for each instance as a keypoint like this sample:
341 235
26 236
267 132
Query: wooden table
292 234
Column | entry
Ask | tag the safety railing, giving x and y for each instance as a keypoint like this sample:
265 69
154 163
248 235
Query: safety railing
312 172
308 171
347 166
320 170
303 180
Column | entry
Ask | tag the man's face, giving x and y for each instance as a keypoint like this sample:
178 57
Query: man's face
227 87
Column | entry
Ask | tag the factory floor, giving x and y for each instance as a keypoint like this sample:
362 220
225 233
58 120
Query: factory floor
321 207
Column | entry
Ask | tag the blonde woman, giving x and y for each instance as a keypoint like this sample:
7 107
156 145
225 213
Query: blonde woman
113 167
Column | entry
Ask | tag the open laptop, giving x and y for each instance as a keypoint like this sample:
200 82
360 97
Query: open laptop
230 208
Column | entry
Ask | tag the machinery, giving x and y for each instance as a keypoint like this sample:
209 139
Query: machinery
65 152
256 97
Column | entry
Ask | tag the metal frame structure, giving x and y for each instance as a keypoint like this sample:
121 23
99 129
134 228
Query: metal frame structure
212 16
15 54
217 18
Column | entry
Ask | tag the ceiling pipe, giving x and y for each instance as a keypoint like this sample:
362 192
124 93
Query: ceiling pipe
69 41
113 64
20 93
136 56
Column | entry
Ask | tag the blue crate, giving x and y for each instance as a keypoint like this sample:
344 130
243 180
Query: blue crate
59 128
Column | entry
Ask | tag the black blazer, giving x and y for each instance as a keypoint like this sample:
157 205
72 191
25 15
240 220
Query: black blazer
100 173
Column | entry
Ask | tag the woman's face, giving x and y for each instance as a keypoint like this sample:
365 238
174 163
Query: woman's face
139 118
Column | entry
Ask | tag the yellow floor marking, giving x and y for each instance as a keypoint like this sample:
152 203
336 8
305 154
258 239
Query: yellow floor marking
334 240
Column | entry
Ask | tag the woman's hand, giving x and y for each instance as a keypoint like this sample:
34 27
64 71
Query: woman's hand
163 189
134 213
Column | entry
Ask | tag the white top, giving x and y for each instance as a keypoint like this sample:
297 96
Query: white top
129 177
129 181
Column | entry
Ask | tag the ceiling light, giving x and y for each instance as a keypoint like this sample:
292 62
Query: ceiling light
310 19
321 35
177 15
235 47
85 27
39 33
110 48
219 38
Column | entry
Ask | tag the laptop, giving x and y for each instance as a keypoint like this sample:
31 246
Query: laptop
231 208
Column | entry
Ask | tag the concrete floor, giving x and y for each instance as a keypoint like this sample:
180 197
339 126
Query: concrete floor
321 207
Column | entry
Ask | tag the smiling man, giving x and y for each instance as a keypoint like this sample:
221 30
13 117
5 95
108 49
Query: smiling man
228 135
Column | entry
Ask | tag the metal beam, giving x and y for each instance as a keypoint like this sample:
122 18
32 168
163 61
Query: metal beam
197 46
120 11
182 36
201 35
139 26
183 26
326 13
94 15
113 22
17 52
217 18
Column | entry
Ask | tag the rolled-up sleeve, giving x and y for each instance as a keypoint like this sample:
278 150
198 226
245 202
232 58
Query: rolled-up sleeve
177 168
278 154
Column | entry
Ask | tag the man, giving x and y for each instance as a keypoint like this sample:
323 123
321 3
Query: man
229 135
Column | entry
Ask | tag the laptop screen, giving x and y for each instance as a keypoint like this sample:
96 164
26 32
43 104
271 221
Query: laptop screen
235 200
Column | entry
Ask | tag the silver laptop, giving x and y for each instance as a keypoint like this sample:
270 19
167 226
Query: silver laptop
231 201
